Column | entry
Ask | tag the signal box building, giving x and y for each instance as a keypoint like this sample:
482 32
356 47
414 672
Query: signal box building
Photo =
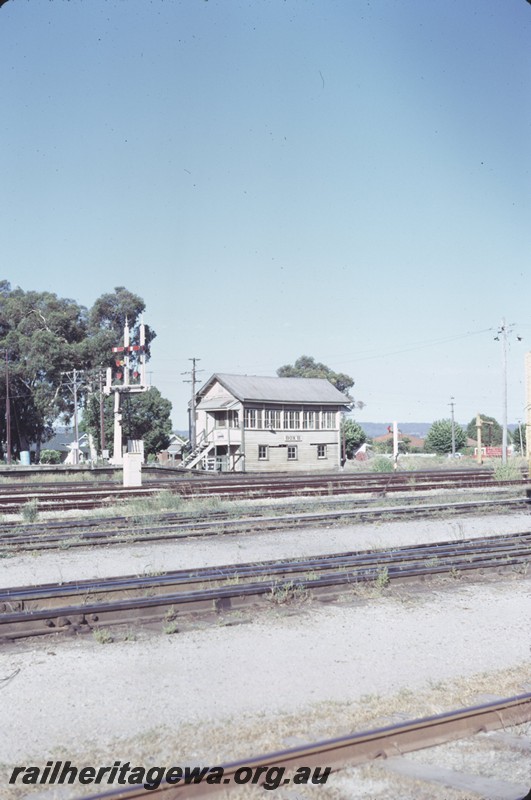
247 423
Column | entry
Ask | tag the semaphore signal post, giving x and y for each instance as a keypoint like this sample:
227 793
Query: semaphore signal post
128 379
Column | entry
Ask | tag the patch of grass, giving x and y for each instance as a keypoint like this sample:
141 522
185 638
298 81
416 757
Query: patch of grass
507 472
30 510
145 510
382 579
287 593
382 464
170 627
455 574
102 635
67 543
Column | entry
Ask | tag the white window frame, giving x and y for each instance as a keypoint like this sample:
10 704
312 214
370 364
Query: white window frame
292 420
263 452
253 418
293 452
272 419
322 451
327 420
308 420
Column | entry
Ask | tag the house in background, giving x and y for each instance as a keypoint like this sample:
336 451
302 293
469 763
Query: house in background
249 423
174 453
62 442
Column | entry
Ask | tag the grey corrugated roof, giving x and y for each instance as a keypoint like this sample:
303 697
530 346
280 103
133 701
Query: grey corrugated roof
62 441
279 390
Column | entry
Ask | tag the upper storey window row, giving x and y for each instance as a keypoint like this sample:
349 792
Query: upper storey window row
289 419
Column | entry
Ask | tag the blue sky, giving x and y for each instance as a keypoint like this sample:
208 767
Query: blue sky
346 179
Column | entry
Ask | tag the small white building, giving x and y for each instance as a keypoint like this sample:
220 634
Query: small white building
248 423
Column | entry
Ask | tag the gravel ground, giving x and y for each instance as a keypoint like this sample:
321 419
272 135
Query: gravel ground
303 671
80 563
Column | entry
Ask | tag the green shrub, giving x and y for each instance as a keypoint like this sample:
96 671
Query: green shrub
30 511
382 465
50 457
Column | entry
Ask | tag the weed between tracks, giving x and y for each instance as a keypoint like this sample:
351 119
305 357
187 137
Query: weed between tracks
143 513
510 471
30 511
102 635
289 592
170 628
147 510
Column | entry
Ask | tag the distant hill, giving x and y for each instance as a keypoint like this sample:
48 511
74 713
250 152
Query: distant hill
419 429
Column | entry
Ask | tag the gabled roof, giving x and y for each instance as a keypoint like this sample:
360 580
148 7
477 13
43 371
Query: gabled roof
256 388
62 441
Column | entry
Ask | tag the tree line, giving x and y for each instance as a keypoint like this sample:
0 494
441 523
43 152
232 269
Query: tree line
43 339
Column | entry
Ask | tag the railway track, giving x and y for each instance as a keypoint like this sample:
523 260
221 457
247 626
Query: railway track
48 497
387 746
85 606
57 534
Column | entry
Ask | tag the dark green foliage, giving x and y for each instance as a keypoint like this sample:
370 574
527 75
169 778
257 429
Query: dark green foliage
519 438
50 457
45 337
145 416
42 335
353 436
307 367
439 438
491 431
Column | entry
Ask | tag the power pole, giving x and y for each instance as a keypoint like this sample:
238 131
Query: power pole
503 331
74 386
453 426
192 427
8 415
528 410
479 424
76 431
102 416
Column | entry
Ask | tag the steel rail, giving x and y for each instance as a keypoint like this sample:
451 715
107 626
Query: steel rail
92 496
355 748
332 504
514 545
133 610
21 541
184 478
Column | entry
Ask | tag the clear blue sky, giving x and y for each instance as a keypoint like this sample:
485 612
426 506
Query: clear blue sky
347 179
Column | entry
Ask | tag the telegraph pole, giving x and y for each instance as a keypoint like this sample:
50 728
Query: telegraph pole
74 386
453 426
102 416
503 331
76 431
193 373
8 415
